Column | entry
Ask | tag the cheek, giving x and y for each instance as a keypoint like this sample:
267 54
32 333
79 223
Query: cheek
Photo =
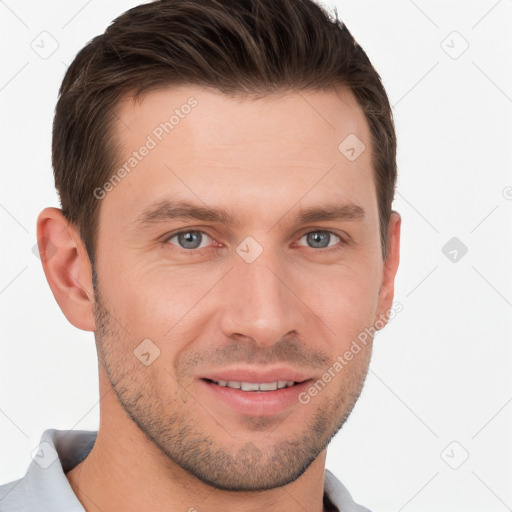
345 297
161 304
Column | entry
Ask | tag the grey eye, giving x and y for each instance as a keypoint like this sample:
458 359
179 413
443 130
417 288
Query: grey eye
320 239
189 239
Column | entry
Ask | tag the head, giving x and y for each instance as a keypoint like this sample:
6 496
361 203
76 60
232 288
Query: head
226 171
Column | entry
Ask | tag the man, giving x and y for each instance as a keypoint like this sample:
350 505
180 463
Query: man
226 171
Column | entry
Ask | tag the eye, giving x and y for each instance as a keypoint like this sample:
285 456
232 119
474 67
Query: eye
196 239
321 239
189 239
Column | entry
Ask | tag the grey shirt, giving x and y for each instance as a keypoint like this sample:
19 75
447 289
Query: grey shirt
45 488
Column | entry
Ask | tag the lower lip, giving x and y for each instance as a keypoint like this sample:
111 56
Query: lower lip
256 403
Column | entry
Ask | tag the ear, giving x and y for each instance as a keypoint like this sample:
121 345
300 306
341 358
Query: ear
387 289
67 267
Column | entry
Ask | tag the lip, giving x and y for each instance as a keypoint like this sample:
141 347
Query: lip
255 403
254 375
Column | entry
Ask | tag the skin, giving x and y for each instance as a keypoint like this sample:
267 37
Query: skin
162 438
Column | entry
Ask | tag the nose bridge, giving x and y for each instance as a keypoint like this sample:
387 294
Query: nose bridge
257 303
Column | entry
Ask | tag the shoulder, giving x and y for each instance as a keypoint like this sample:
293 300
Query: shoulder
45 487
10 494
339 495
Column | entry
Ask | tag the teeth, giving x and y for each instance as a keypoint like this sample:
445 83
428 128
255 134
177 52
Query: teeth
249 386
255 386
270 386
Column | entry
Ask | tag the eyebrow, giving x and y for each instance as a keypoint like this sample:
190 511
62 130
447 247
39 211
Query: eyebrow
164 211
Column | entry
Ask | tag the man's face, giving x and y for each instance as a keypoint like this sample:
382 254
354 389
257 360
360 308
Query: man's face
262 297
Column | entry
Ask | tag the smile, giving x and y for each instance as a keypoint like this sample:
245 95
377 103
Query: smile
255 386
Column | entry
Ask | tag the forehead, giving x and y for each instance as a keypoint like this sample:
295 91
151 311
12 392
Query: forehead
218 119
194 143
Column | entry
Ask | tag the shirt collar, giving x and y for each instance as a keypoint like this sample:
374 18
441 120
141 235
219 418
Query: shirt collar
45 488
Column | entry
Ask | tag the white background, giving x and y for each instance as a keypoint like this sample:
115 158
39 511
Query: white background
441 369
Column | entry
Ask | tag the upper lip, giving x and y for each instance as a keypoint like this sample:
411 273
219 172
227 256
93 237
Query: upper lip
252 374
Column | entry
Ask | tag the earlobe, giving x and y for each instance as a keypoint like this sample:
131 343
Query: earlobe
67 267
391 263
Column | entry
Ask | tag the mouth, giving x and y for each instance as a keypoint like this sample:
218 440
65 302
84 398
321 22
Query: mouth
254 393
254 386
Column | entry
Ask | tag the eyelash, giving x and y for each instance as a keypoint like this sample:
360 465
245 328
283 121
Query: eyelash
342 241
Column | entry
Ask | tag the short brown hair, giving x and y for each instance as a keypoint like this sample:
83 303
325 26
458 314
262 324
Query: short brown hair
238 47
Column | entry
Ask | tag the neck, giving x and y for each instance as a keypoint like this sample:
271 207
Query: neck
128 471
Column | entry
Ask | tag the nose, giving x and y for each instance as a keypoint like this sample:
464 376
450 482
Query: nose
259 302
